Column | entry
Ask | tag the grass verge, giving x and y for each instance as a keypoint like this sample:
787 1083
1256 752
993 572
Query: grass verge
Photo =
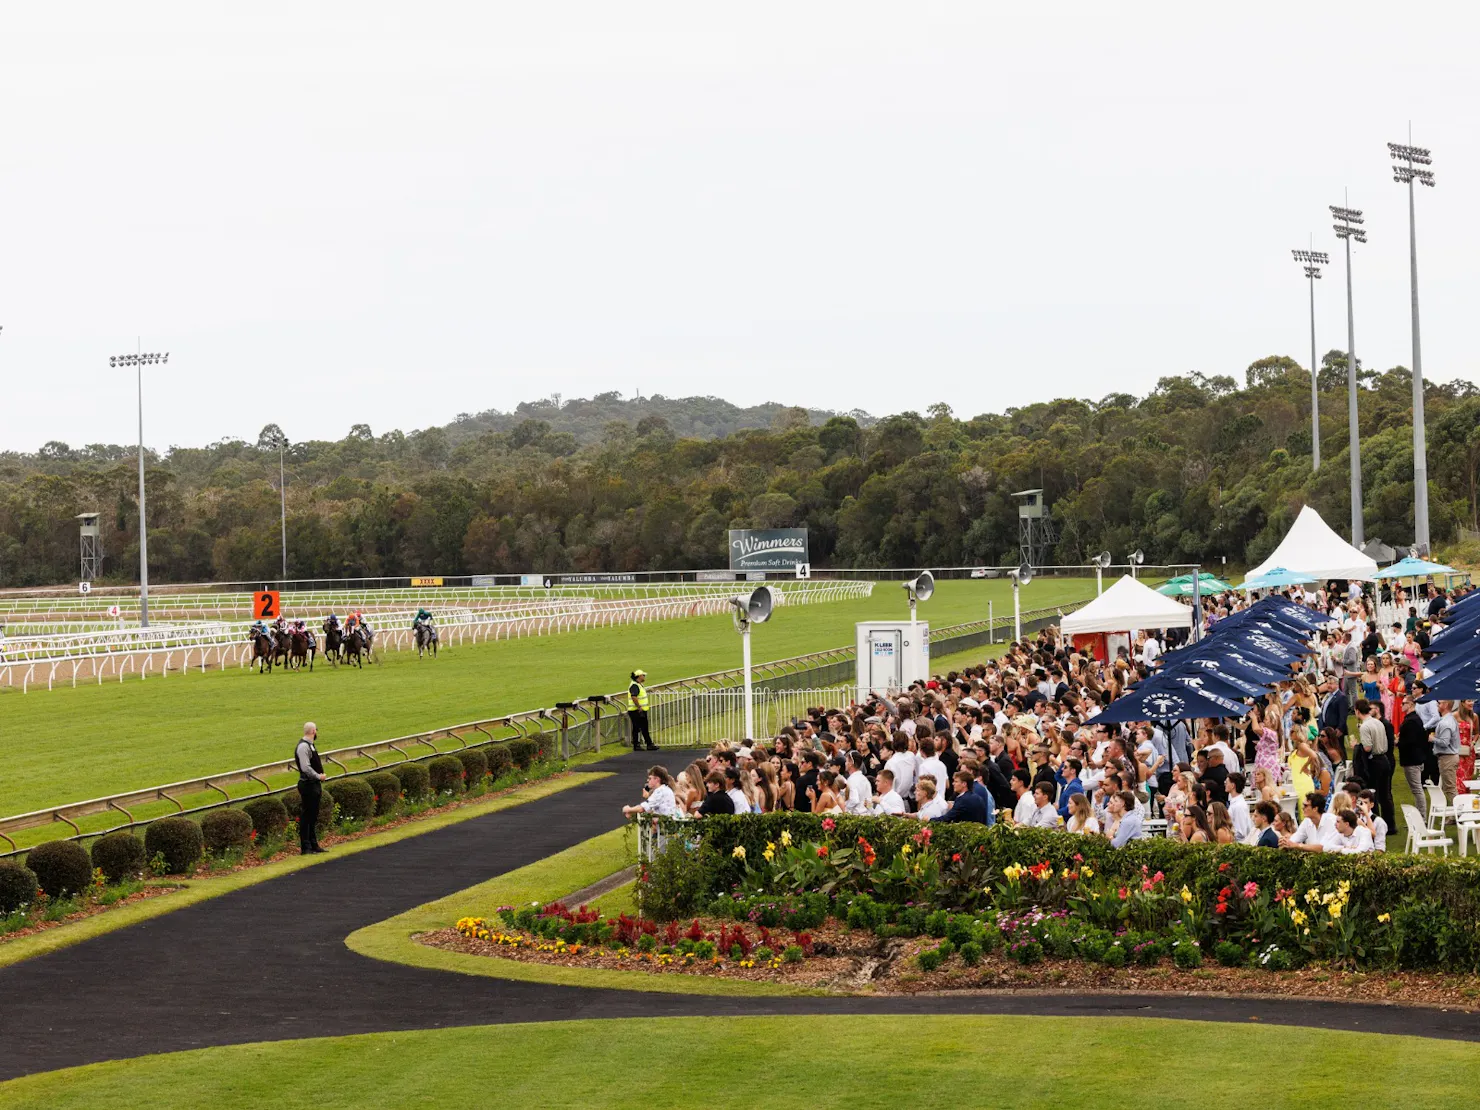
632 1063
554 877
199 890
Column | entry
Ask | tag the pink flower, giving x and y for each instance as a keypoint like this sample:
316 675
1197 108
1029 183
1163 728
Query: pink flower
1251 889
829 824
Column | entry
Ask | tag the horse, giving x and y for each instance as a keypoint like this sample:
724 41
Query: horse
333 642
282 646
303 648
356 644
261 650
426 637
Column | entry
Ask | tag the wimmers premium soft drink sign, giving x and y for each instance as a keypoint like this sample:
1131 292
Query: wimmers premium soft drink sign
767 548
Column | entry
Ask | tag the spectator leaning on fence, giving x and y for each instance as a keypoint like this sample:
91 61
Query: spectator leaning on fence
658 798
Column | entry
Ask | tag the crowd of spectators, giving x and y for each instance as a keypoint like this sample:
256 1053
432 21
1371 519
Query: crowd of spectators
1017 740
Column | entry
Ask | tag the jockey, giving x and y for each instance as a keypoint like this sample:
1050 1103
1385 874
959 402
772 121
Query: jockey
422 617
332 622
257 629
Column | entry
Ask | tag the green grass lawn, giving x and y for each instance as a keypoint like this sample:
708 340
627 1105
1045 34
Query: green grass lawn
783 1062
70 744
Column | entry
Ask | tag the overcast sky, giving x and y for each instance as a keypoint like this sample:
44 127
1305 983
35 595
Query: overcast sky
400 212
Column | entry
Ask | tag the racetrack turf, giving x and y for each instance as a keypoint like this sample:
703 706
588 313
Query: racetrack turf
784 1062
70 744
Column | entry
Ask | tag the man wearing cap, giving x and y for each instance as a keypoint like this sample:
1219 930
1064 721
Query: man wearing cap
637 711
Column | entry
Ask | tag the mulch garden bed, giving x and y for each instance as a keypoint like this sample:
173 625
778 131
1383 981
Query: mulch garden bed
858 962
154 890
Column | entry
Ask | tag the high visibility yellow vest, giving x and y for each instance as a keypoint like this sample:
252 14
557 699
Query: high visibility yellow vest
638 693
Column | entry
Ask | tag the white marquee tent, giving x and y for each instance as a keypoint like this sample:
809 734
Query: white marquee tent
1311 546
1125 606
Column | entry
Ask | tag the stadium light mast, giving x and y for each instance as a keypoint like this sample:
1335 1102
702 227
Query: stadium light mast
1348 226
283 501
139 360
1313 261
1408 168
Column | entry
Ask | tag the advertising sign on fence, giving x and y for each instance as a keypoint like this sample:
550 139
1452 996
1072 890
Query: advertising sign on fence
485 580
714 576
767 548
426 581
596 579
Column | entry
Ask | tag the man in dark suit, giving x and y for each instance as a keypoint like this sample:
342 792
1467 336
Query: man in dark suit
1335 709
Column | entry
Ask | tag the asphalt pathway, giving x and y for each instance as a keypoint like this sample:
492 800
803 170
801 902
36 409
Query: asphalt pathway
269 962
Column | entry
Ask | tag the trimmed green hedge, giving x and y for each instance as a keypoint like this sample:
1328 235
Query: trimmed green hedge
18 886
387 791
62 867
225 830
475 765
119 855
178 840
293 803
1381 882
269 815
500 762
415 781
355 799
523 753
446 772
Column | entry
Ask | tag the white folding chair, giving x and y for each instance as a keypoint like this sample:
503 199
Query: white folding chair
1419 835
1439 810
1466 820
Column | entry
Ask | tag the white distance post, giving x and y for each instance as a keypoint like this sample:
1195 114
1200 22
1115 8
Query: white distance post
749 693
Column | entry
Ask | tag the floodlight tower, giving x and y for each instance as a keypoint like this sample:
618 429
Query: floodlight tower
1313 261
1348 226
139 361
1410 160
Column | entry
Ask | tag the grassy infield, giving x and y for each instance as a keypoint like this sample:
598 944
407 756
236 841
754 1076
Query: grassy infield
575 1062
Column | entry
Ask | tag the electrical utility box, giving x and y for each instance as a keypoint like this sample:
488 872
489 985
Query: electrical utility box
891 655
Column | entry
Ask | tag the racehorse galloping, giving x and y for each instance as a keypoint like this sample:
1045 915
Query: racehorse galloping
261 648
355 645
426 637
333 641
304 648
282 645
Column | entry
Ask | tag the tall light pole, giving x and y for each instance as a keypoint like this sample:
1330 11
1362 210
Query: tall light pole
1313 261
140 360
1348 227
1409 159
283 497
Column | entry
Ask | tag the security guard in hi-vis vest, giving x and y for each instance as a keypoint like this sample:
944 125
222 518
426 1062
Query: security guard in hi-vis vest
637 695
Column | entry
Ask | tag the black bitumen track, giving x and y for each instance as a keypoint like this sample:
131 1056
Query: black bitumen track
269 962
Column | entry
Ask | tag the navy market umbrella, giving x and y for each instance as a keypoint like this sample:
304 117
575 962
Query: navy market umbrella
1158 699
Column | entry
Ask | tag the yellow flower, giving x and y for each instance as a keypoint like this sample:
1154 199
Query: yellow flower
1384 917
906 850
1298 916
1311 895
739 852
1087 871
769 854
785 838
1335 910
1186 895
1064 874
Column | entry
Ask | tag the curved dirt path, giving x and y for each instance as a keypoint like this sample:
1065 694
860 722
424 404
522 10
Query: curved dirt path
269 962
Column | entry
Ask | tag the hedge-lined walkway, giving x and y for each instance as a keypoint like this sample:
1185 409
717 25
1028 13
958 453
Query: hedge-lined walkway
269 962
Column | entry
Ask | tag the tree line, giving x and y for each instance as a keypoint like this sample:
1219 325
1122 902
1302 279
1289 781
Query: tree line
1200 467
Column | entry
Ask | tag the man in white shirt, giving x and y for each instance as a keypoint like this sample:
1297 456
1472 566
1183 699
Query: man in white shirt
1152 651
1238 810
887 802
659 801
903 765
1316 832
931 765
1044 815
860 794
1025 806
1351 837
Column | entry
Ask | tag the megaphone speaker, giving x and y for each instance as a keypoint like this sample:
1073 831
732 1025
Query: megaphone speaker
1024 574
758 608
922 587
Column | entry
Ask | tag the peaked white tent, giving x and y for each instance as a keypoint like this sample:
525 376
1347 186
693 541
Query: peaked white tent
1125 606
1311 546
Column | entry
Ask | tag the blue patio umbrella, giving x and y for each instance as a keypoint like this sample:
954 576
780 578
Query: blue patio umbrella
1290 613
1413 567
1214 680
1159 699
1455 636
1277 578
1459 657
1460 684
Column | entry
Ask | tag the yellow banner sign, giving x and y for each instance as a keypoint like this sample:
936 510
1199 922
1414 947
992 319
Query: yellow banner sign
426 581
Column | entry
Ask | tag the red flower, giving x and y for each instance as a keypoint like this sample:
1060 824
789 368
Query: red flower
1220 908
1123 894
828 824
956 857
1222 867
821 850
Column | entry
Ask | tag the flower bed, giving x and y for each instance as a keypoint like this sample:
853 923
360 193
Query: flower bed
1076 897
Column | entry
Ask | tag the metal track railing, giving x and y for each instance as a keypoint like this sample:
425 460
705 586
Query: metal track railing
565 730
